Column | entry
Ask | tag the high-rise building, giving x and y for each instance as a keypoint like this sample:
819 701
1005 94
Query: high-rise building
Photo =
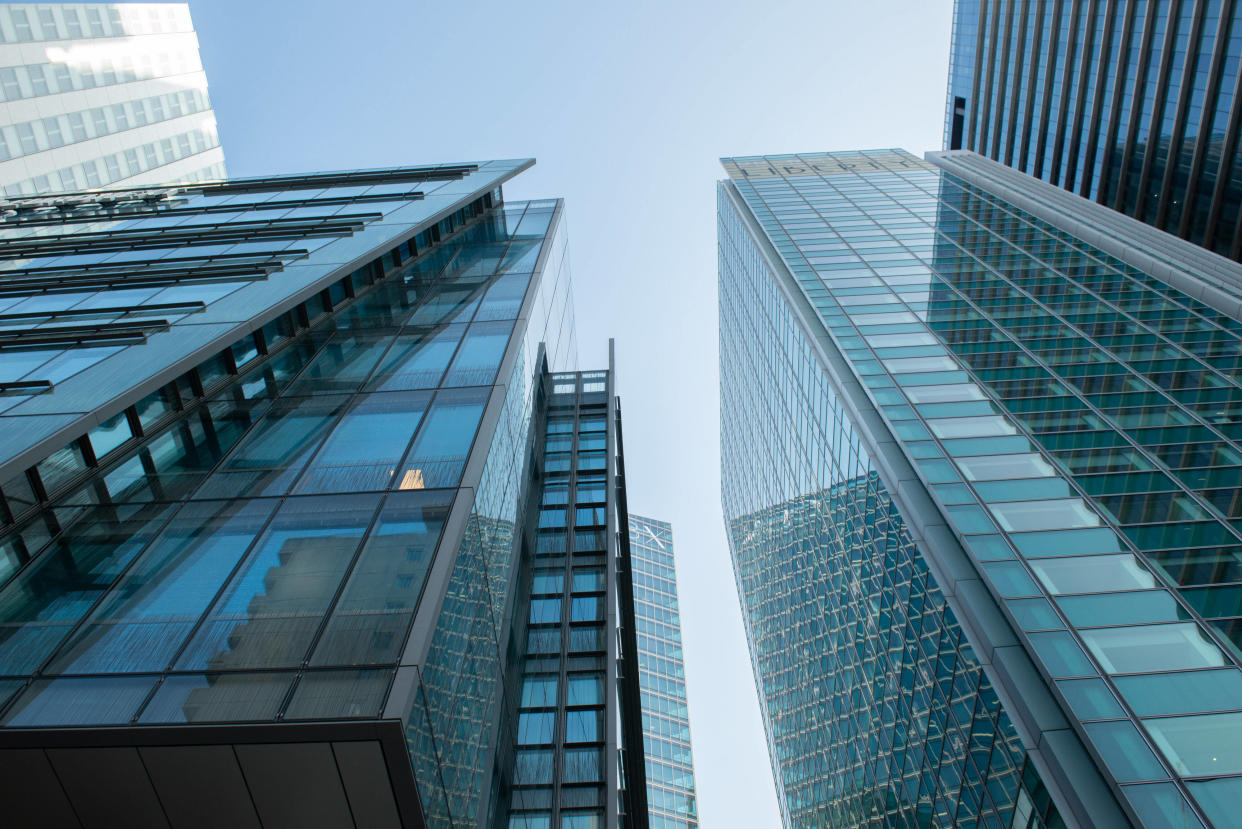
1134 104
671 801
101 95
282 462
981 446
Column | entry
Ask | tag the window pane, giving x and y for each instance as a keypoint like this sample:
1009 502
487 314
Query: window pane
339 694
362 451
369 623
275 602
1200 746
588 579
584 726
545 611
1182 693
107 701
1146 648
535 727
548 581
945 393
532 767
583 765
417 361
1090 574
1125 753
586 689
479 356
958 427
438 456
1001 467
540 691
1069 513
218 698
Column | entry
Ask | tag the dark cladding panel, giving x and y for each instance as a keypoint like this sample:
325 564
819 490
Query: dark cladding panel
108 786
362 770
30 792
272 771
200 786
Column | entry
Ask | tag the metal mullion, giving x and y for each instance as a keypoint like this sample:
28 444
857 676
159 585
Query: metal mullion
1226 162
1091 147
1160 101
1090 49
1193 46
1015 92
1136 106
1045 97
1119 92
996 134
1037 60
1215 71
1070 72
979 145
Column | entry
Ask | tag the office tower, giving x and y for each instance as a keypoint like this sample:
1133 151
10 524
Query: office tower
981 456
101 95
579 724
1131 103
666 715
272 454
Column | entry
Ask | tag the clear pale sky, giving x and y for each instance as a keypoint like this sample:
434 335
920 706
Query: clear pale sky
626 107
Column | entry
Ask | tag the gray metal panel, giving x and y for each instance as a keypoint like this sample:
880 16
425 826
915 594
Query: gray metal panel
200 786
273 771
30 794
108 787
365 776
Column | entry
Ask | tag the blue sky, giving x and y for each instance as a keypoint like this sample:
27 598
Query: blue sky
627 108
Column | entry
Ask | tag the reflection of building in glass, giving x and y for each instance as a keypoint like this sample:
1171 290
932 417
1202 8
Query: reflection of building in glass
666 715
988 430
1133 104
95 95
280 460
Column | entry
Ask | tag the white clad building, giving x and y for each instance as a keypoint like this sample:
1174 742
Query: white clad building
96 95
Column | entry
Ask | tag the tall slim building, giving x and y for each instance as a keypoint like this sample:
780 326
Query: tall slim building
671 798
96 95
1135 104
980 454
281 466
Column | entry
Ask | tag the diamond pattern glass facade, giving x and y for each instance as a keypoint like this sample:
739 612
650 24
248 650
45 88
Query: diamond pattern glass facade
662 674
1071 418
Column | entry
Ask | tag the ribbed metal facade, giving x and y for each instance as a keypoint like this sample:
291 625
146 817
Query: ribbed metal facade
1131 103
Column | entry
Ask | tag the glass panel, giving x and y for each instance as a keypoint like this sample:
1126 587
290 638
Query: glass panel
532 767
945 393
339 694
218 698
1090 699
1122 608
548 581
438 456
545 611
363 449
1125 753
1219 799
90 701
1182 693
370 620
1146 648
587 609
46 600
1163 806
1089 574
149 613
960 427
583 765
1069 513
110 434
586 689
274 604
539 691
1061 655
535 727
343 363
417 360
588 579
479 356
1000 467
1201 746
584 726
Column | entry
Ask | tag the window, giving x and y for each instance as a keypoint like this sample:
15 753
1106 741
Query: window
962 427
539 691
584 726
1001 467
1145 648
583 765
1092 574
545 611
587 609
912 364
548 581
588 579
945 393
1067 513
1200 746
586 689
535 727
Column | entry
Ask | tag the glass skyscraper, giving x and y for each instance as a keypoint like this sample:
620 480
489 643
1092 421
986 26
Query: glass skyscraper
281 461
662 675
102 94
981 457
1131 103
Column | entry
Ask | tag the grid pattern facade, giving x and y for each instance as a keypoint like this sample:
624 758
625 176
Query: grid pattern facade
96 95
565 695
252 542
877 712
1075 420
1131 103
671 800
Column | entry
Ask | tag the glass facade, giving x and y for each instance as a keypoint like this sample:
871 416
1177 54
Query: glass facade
1069 417
1130 103
666 715
290 529
95 95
